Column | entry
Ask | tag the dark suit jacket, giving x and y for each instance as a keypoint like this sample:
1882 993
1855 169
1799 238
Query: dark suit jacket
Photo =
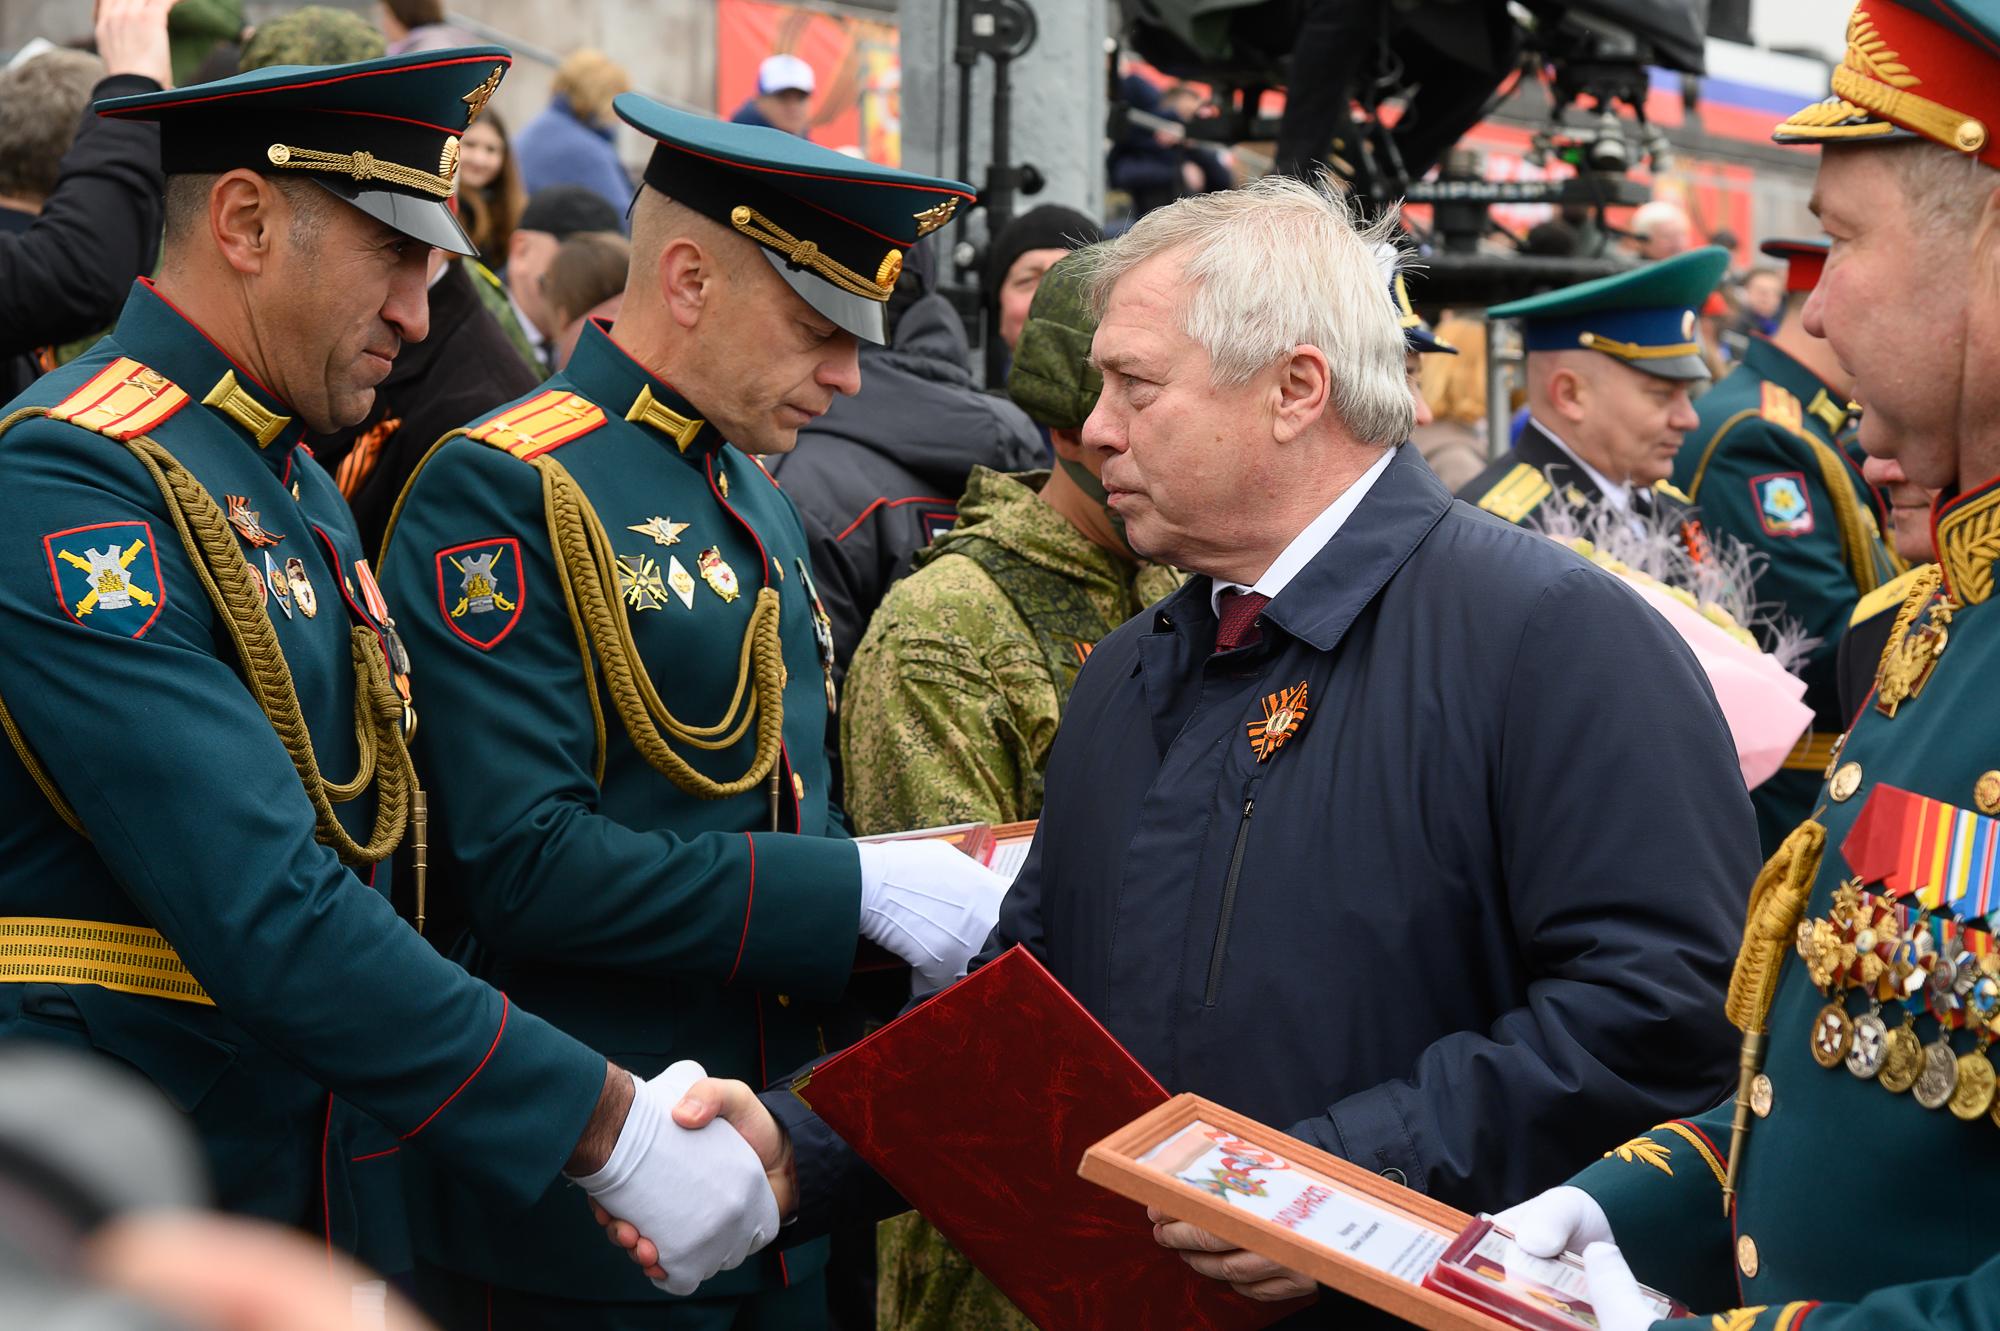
1470 926
1536 474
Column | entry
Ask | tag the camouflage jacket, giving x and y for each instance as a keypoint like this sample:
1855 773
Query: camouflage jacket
952 699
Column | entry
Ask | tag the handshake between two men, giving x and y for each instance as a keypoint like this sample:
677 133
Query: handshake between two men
705 1195
741 1183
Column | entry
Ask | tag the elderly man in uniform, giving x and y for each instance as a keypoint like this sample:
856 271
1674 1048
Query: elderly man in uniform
654 857
206 700
1610 364
1867 961
1357 831
1766 466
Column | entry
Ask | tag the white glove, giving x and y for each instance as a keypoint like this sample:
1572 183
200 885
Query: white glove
700 1196
931 905
1563 1219
1614 1293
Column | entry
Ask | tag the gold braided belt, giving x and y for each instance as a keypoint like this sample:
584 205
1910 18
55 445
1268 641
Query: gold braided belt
126 957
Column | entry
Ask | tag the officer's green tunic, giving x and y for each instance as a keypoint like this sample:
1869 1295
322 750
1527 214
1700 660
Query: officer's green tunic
1767 468
127 690
1847 1193
657 925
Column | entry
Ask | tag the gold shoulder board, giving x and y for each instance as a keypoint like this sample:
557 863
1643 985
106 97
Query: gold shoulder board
122 401
1782 407
544 422
1518 493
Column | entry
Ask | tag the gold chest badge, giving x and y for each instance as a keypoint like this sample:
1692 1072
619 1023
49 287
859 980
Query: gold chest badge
721 578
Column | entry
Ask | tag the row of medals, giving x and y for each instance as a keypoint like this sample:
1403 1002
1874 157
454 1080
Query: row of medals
1892 952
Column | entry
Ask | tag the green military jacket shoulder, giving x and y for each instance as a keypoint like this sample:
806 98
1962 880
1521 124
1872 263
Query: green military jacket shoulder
656 917
1767 468
1830 1142
196 928
956 691
952 704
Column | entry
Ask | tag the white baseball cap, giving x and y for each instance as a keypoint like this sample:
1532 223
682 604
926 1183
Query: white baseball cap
784 73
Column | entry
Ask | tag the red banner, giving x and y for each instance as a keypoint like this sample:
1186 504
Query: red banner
857 105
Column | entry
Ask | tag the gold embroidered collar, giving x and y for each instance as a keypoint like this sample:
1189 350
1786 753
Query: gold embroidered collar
1968 542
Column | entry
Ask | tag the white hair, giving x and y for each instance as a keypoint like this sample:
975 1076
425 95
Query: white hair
1655 211
1274 265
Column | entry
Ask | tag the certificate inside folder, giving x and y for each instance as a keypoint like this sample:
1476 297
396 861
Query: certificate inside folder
978 1107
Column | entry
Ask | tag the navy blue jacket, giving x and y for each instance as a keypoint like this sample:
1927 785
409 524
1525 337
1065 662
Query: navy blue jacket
1487 897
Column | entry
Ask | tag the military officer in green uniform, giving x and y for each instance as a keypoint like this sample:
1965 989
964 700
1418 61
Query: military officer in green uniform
1843 1187
1767 468
1610 364
625 676
206 702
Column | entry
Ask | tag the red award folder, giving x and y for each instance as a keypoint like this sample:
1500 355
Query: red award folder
978 1107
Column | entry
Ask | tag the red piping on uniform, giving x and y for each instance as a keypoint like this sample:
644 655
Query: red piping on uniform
505 1004
748 901
763 555
1705 1138
506 61
374 1155
894 503
237 364
381 638
814 175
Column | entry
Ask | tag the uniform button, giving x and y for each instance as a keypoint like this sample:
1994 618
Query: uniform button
1746 1256
784 1000
1846 780
798 786
1760 1096
1986 793
1395 1176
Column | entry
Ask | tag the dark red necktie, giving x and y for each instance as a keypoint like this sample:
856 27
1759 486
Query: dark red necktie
1237 626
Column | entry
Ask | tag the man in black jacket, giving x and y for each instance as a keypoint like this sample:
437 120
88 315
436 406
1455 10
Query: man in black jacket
66 274
881 472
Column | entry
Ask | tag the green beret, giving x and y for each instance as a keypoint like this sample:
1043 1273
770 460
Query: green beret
314 35
1052 378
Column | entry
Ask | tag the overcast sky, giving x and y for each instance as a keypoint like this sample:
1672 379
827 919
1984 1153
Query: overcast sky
1818 24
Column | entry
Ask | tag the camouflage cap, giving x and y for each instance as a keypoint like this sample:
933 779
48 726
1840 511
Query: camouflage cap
1052 378
313 35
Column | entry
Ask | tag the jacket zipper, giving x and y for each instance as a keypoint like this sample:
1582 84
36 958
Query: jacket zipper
1228 902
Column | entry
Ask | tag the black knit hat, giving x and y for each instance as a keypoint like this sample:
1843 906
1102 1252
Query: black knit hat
1049 227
